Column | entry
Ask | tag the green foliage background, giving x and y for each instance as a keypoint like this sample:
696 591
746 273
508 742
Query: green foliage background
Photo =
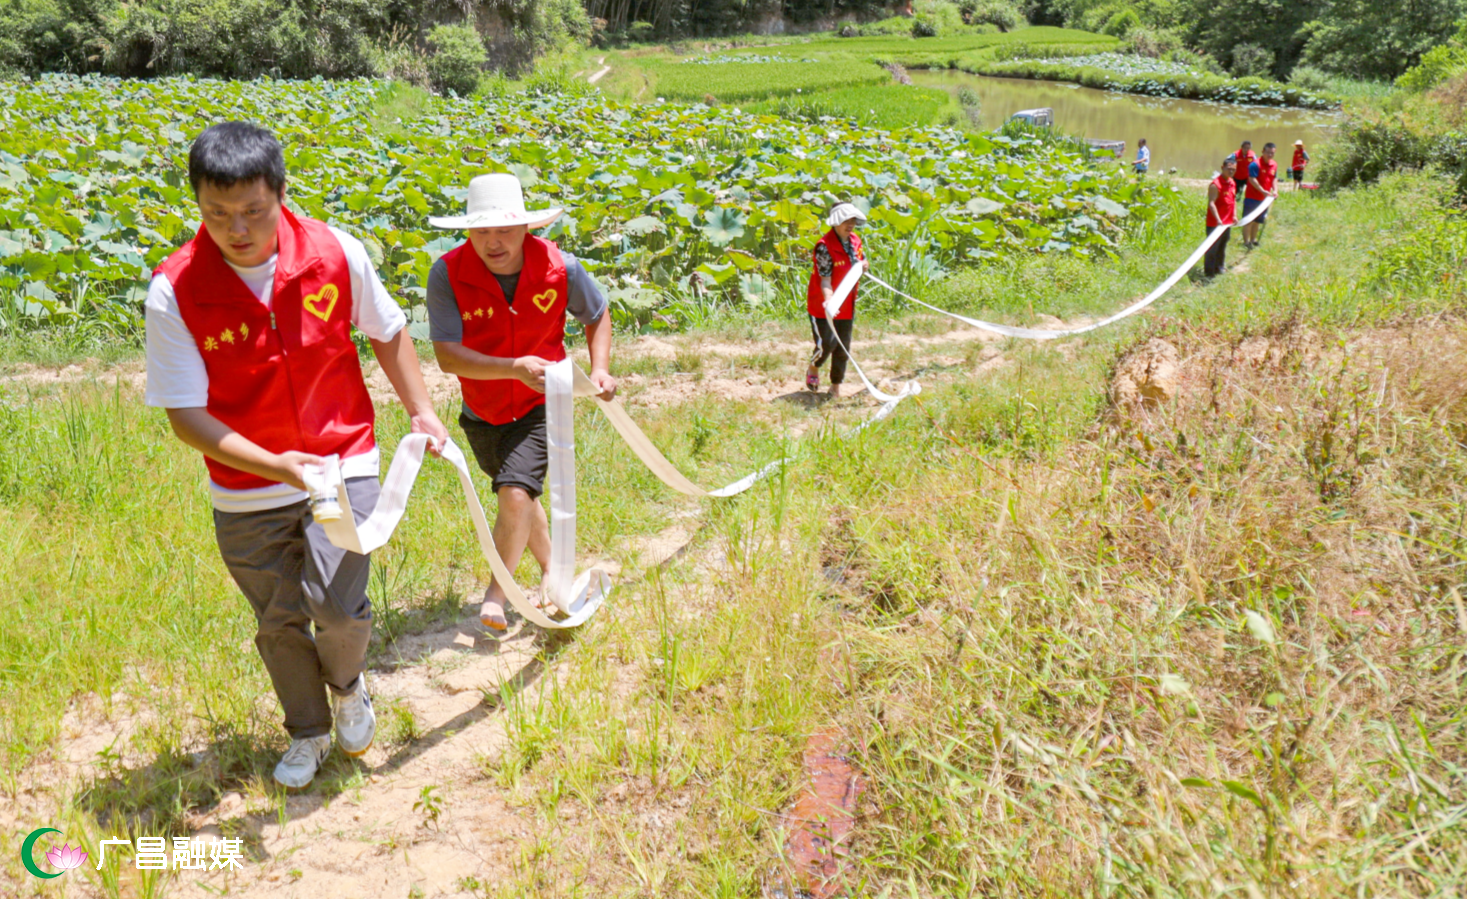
669 204
347 38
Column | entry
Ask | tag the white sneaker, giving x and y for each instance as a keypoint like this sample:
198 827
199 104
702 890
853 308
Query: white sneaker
298 766
356 723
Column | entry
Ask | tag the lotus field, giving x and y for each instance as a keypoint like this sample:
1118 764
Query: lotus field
666 203
1123 64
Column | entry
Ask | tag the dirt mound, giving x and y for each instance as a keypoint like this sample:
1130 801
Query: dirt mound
1148 375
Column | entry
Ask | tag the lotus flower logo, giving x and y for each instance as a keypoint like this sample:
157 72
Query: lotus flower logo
66 858
63 859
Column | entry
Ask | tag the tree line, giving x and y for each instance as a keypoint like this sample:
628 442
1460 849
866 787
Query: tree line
1368 39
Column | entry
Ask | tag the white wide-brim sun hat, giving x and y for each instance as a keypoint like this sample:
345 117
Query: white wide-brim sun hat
496 201
844 212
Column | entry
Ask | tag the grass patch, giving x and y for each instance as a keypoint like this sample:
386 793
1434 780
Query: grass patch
1071 645
881 105
735 81
395 106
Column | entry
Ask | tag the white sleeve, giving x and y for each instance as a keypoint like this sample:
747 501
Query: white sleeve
374 311
177 378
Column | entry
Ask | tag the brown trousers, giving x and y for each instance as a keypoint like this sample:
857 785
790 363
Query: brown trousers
310 602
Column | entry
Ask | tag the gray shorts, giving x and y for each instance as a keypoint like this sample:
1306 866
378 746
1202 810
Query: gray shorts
515 454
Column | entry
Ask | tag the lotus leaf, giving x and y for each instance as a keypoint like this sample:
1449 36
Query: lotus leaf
722 225
93 180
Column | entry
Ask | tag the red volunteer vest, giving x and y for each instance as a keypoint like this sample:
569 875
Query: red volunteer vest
286 377
1268 172
1226 203
1244 160
814 299
1298 159
533 326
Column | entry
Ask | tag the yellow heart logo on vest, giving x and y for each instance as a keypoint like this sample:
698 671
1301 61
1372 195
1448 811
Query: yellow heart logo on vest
327 297
543 301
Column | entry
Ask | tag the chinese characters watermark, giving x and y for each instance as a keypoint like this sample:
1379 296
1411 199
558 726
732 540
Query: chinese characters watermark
149 854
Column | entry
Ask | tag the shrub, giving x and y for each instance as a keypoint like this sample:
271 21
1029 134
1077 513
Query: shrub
398 57
886 27
496 84
849 31
1195 60
1451 97
1121 23
1362 151
924 27
552 81
1309 78
458 58
1251 59
1437 65
235 39
990 12
1153 42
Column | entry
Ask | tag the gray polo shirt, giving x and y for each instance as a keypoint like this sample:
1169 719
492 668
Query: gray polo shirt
584 301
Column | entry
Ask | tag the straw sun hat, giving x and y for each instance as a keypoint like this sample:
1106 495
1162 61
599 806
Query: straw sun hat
496 201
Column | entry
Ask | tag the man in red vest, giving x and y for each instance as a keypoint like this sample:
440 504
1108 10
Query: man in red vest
1245 157
1262 184
834 254
497 307
250 353
1222 198
1299 163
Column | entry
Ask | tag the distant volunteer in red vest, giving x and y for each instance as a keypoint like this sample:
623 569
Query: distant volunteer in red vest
1262 184
250 353
1245 157
1222 198
834 255
1299 163
497 307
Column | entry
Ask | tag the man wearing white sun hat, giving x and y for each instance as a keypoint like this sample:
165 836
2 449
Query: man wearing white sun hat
497 306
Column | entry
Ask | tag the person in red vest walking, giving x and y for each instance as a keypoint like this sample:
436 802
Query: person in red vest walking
1246 157
1262 184
1299 163
250 352
1222 199
497 307
834 255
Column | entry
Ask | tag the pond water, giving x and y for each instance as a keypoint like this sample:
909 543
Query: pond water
1188 135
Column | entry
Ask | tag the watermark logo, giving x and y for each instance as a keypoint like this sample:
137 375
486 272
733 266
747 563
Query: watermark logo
149 854
67 857
63 858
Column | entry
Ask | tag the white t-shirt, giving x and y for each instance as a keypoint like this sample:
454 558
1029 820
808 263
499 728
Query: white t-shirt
177 378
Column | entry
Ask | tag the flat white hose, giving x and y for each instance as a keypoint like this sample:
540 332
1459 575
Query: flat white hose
577 596
1041 334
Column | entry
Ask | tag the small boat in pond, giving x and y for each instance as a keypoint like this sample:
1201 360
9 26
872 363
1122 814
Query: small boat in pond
1116 148
1043 117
